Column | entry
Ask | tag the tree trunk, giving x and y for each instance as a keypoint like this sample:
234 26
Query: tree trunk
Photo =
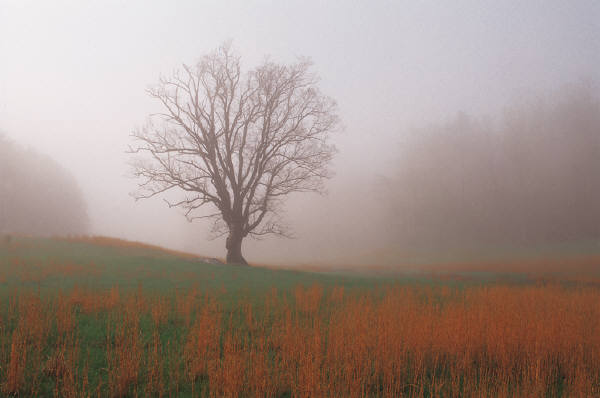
233 244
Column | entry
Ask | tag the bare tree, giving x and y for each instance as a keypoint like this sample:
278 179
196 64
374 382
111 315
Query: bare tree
237 142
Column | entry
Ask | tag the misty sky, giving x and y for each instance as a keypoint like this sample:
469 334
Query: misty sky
73 77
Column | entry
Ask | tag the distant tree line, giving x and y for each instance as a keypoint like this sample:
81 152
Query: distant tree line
532 179
37 196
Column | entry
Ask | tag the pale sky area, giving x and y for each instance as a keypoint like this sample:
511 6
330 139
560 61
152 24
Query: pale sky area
73 77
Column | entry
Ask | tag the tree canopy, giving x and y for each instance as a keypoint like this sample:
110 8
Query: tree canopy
236 142
530 180
37 196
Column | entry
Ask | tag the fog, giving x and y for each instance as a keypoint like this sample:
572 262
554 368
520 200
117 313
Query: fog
528 183
480 105
37 196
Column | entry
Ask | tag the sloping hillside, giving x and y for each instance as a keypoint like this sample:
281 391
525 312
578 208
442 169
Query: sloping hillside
61 263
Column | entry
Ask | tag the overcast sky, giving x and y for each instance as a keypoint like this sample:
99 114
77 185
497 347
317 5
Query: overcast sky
73 77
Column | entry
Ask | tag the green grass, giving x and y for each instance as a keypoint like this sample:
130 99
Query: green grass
99 266
48 267
102 267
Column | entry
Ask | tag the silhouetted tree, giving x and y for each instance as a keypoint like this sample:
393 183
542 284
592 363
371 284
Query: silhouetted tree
240 142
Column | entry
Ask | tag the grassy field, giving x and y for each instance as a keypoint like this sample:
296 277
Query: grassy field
102 317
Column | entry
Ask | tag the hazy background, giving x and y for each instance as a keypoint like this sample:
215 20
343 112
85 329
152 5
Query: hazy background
73 75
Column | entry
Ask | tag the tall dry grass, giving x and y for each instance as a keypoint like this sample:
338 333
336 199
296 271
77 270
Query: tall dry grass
415 341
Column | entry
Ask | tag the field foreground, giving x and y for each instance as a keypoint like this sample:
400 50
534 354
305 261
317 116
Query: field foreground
73 326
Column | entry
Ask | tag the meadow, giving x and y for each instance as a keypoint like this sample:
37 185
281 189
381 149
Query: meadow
99 317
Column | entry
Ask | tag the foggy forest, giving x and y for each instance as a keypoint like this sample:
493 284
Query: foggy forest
300 199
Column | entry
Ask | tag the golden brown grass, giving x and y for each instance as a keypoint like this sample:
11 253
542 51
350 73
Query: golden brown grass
415 341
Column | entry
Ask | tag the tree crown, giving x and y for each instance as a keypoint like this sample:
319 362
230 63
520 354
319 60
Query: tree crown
240 142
